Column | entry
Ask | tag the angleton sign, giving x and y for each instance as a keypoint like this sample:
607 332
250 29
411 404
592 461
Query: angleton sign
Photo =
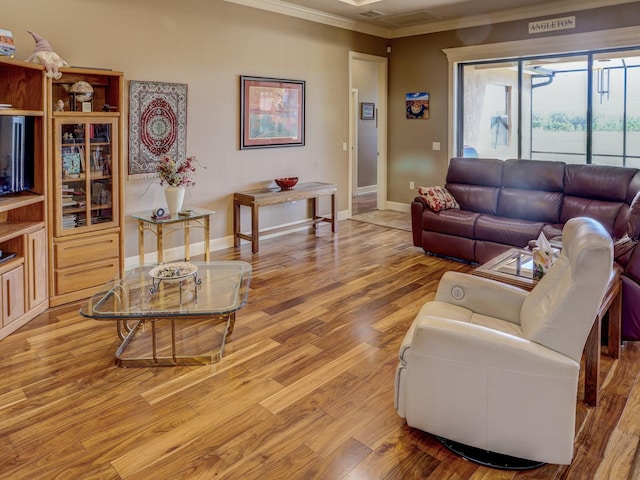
552 24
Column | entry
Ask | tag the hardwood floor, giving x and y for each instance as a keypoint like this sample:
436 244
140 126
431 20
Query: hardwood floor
365 202
304 391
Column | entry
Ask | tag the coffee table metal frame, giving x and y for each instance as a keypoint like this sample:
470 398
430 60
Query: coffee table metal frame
136 299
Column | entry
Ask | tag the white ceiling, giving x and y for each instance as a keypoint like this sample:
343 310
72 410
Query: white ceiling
398 18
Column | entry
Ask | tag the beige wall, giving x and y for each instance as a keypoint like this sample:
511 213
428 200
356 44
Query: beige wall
208 44
418 64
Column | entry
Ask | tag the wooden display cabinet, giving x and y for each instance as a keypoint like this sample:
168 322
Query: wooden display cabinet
86 168
23 215
86 234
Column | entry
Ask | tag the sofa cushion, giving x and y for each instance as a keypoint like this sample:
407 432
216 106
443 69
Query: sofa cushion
552 230
602 211
438 198
475 198
452 222
536 205
510 231
534 175
633 218
448 245
475 171
598 182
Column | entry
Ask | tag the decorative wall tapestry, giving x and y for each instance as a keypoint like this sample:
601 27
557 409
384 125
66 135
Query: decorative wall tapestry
157 125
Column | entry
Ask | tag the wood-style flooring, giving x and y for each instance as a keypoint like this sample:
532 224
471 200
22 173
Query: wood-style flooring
304 391
365 202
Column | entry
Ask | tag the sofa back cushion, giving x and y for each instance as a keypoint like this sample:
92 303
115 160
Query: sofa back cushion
629 222
532 190
534 175
475 183
600 192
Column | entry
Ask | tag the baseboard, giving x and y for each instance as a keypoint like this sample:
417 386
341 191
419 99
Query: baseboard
399 207
197 248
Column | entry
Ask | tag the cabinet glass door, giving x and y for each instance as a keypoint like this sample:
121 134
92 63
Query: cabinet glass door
85 172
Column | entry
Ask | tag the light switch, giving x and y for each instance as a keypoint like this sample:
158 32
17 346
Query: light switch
436 145
344 146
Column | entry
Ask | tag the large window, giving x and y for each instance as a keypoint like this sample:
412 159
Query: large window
578 108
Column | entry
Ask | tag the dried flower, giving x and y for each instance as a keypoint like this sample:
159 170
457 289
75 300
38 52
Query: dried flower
177 173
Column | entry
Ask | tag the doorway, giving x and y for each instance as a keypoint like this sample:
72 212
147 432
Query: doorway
367 132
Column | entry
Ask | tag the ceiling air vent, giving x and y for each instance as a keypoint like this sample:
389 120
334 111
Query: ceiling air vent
412 18
371 14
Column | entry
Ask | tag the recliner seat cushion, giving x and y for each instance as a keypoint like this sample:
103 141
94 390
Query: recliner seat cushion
452 222
510 231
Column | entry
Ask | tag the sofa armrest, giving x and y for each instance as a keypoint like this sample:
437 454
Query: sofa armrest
482 295
418 206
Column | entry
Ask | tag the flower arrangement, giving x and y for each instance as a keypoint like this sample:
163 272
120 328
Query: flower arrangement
177 173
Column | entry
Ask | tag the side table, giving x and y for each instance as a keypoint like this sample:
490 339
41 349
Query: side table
199 219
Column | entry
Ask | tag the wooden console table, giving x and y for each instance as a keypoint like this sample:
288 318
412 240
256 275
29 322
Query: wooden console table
200 218
271 196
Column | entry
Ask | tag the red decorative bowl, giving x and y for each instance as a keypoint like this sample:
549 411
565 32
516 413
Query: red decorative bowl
286 183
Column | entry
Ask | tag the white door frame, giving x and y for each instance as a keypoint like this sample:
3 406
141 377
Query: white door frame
381 119
353 134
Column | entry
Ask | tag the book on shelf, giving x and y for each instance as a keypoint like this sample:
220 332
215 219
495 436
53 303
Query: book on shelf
69 220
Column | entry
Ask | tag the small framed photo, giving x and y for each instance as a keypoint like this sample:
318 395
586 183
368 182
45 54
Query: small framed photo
71 165
367 111
417 105
86 106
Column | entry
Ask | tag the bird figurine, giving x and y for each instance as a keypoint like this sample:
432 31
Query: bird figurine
45 56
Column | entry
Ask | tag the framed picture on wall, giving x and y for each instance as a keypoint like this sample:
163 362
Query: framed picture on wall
367 111
271 112
417 105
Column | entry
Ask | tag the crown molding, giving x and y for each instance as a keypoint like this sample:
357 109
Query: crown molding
571 43
522 13
510 15
303 13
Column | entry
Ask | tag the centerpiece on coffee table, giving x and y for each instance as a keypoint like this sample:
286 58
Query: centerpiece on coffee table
173 272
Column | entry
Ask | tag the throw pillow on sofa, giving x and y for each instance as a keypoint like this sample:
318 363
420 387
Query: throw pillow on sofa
438 198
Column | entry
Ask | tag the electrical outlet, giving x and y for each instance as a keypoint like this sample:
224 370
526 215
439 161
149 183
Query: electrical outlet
412 185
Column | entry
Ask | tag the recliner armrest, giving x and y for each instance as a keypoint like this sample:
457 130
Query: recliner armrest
482 295
469 344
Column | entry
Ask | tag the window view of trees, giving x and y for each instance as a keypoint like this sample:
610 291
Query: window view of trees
550 113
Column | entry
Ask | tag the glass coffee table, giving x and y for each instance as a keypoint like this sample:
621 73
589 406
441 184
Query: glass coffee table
173 314
514 267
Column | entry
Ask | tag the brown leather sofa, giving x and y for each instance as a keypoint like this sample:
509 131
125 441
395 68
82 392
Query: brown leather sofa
507 203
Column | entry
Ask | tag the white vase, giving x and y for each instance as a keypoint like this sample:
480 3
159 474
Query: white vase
174 197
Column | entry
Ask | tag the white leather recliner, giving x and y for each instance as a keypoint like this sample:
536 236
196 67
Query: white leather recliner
495 367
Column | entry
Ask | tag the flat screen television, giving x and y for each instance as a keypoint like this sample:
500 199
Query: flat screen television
16 153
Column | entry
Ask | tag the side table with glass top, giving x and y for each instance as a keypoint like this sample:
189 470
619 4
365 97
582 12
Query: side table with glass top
173 321
199 218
